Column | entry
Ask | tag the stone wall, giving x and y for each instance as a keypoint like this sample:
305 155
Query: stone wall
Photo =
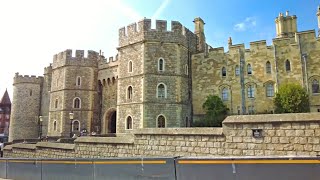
282 135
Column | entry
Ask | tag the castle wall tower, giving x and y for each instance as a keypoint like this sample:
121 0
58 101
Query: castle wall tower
73 89
45 99
154 92
199 31
286 26
25 107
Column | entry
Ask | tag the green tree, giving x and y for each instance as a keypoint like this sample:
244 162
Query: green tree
291 98
215 110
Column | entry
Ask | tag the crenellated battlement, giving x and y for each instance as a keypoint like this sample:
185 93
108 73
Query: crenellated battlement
141 31
27 79
48 69
218 50
80 59
108 62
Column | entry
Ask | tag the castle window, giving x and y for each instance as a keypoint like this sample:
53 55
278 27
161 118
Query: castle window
78 81
268 67
113 80
288 66
225 94
129 122
224 72
249 69
237 70
250 91
108 81
270 90
56 103
186 69
251 109
55 125
30 92
76 103
160 64
75 125
161 121
130 66
315 86
129 91
161 91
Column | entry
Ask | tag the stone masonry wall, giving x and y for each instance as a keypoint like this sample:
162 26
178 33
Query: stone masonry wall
282 135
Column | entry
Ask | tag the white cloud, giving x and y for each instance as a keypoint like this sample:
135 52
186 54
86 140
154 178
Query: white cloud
248 23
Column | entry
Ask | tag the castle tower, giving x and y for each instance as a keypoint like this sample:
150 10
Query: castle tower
25 107
199 31
318 16
153 76
5 110
73 90
286 26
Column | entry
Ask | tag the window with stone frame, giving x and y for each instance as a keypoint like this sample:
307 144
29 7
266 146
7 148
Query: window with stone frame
76 103
225 94
56 103
315 86
251 109
223 72
55 125
130 66
249 69
268 67
75 125
161 65
161 91
78 81
250 91
129 122
288 65
270 90
130 92
161 121
237 70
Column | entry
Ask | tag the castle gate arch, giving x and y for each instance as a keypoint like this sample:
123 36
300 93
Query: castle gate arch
110 121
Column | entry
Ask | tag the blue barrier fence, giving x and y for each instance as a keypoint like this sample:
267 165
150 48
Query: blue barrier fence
175 168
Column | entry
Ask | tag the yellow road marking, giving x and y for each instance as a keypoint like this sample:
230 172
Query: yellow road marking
287 161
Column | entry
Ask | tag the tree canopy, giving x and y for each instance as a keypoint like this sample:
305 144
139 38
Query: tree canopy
291 98
215 110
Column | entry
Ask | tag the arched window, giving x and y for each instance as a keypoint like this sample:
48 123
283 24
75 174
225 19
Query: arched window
78 81
130 66
237 70
30 92
288 66
113 80
268 67
76 103
161 91
224 72
56 104
75 125
161 121
249 69
108 81
270 90
129 122
250 91
55 125
160 64
224 94
129 96
315 86
186 69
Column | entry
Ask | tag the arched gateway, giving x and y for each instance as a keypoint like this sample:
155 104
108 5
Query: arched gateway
110 121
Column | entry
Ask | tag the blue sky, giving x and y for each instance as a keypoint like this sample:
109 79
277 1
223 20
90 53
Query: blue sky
33 31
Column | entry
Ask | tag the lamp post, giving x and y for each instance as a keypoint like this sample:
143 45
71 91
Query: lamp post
71 114
40 126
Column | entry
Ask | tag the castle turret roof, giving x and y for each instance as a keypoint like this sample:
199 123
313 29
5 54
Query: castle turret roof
5 98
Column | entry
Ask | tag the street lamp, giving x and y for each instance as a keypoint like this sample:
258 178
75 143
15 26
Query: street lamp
71 114
40 126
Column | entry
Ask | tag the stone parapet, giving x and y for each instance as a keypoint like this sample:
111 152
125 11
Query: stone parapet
180 131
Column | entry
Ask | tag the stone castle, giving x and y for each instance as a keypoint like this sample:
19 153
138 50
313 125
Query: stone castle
160 78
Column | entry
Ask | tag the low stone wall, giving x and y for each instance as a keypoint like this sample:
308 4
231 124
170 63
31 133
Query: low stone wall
281 135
